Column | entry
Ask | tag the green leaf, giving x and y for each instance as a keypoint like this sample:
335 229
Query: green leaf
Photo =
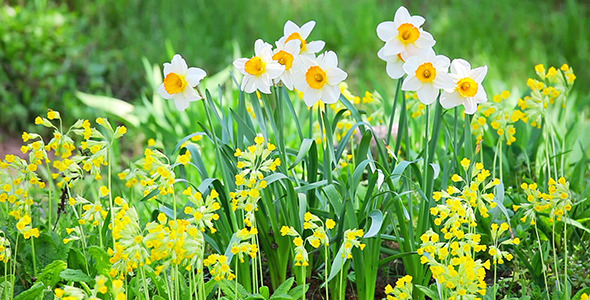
114 106
576 224
303 151
75 275
299 290
376 222
50 274
337 264
33 293
101 260
284 287
427 291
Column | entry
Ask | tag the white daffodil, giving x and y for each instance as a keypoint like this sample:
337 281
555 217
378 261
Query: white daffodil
395 63
179 82
294 32
403 36
467 88
260 70
318 78
427 74
285 54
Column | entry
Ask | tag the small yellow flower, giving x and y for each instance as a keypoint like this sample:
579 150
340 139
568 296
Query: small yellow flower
104 191
330 224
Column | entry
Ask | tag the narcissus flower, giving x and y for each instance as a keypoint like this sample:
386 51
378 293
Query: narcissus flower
179 82
403 38
427 73
260 70
467 89
318 79
285 54
294 32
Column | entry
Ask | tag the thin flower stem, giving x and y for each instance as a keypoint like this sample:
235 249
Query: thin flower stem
144 281
390 127
34 256
555 257
326 269
542 260
303 289
50 199
565 257
425 155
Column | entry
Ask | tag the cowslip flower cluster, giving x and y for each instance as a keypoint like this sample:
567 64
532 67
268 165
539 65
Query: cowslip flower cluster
557 201
402 290
254 163
408 51
175 242
553 86
219 267
294 64
100 290
498 255
451 256
153 172
130 251
499 116
318 237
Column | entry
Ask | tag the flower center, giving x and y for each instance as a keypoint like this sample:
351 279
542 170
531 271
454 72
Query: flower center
174 83
297 36
284 58
408 33
467 87
316 77
255 66
426 72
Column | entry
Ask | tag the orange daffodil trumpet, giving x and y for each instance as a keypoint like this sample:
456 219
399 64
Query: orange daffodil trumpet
286 54
466 89
403 38
179 82
319 78
260 70
293 32
427 73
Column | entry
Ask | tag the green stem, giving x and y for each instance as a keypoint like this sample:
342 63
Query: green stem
303 290
425 155
144 281
555 257
50 200
390 127
565 257
34 256
112 211
326 269
542 260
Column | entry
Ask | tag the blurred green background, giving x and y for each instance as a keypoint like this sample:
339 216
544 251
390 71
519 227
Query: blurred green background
50 49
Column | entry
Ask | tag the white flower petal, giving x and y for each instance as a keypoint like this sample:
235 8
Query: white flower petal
425 40
411 83
311 96
315 46
481 95
443 81
194 76
412 64
289 28
450 100
162 91
178 65
328 60
460 67
478 74
470 105
306 29
274 69
393 47
248 84
336 75
402 15
427 94
386 31
395 69
330 94
181 103
417 20
240 64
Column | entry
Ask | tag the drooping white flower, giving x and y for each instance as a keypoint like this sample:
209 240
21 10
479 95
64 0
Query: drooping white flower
294 32
427 74
285 54
260 70
467 88
179 82
318 78
403 38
